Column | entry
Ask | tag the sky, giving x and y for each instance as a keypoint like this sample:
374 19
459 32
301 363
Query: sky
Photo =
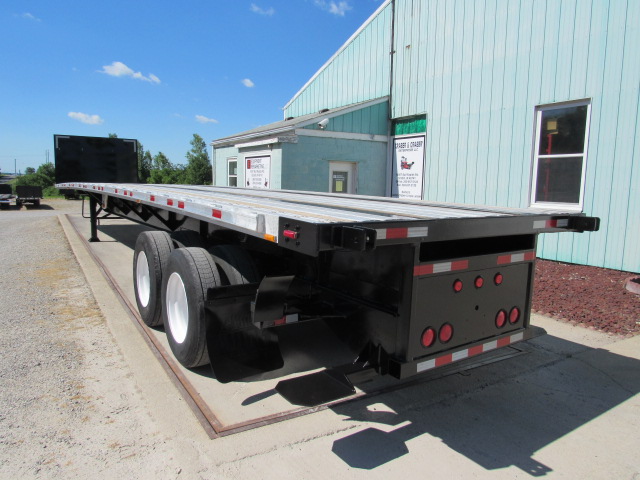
157 71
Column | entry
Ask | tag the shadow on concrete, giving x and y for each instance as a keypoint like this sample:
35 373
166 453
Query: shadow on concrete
502 424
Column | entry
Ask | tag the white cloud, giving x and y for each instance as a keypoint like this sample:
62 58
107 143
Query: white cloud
203 119
86 118
261 11
248 83
29 16
119 69
336 8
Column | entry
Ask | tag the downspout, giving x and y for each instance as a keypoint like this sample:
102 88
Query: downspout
392 52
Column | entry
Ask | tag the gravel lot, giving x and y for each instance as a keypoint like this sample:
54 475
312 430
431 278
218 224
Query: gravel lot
59 413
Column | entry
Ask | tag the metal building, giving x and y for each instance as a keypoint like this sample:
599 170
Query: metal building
499 102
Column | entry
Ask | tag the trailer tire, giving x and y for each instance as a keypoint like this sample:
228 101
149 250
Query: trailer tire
187 238
235 264
190 273
150 259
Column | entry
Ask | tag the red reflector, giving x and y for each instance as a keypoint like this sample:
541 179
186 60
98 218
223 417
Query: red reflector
152 198
170 202
501 319
428 337
280 321
498 279
446 333
479 282
514 315
457 286
290 234
217 213
180 204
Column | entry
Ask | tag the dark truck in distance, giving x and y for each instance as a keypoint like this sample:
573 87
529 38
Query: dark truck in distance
28 194
410 286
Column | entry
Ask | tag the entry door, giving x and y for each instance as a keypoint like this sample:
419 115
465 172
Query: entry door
342 177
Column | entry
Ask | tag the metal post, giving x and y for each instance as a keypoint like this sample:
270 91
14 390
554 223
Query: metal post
93 212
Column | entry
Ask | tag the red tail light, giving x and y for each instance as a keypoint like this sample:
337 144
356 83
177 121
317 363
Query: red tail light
457 286
501 319
498 279
514 315
446 333
479 282
428 337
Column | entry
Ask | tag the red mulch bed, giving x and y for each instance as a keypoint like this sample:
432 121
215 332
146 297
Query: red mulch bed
588 296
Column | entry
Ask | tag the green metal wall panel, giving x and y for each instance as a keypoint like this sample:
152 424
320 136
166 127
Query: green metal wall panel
479 68
359 72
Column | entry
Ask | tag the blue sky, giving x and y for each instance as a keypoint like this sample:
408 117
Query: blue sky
158 71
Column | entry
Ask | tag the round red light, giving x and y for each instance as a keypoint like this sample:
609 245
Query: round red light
428 337
457 286
446 333
501 319
514 315
498 279
479 282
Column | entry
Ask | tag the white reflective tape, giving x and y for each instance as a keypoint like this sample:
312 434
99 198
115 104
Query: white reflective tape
419 232
381 234
517 337
428 365
539 224
563 222
442 267
291 318
517 257
490 346
461 355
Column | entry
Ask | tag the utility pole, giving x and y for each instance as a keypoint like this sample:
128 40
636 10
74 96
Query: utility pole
15 167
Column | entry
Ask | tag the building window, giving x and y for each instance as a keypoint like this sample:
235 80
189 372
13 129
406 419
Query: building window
232 172
562 133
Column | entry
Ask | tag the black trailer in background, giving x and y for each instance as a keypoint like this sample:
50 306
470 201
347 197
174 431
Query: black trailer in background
95 159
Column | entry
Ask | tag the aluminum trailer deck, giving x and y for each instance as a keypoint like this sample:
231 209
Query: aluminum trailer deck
265 214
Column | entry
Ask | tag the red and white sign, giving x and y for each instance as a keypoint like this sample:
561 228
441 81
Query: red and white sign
257 172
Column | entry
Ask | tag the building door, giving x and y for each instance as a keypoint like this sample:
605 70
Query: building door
343 177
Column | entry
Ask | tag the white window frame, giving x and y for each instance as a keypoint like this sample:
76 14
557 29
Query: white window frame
229 175
537 157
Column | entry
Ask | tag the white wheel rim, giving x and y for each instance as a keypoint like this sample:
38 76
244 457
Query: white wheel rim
143 279
177 308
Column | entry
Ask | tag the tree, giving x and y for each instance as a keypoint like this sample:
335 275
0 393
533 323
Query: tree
198 170
145 163
163 171
29 170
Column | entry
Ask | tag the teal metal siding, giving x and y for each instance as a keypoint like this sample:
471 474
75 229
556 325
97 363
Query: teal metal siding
359 72
478 69
373 120
305 165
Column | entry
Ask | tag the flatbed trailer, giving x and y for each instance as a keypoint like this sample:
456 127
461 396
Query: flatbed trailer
409 285
28 194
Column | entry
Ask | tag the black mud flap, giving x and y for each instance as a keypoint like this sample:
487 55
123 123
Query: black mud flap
316 388
237 355
237 348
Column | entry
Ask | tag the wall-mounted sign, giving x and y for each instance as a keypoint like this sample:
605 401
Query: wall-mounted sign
257 172
408 167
